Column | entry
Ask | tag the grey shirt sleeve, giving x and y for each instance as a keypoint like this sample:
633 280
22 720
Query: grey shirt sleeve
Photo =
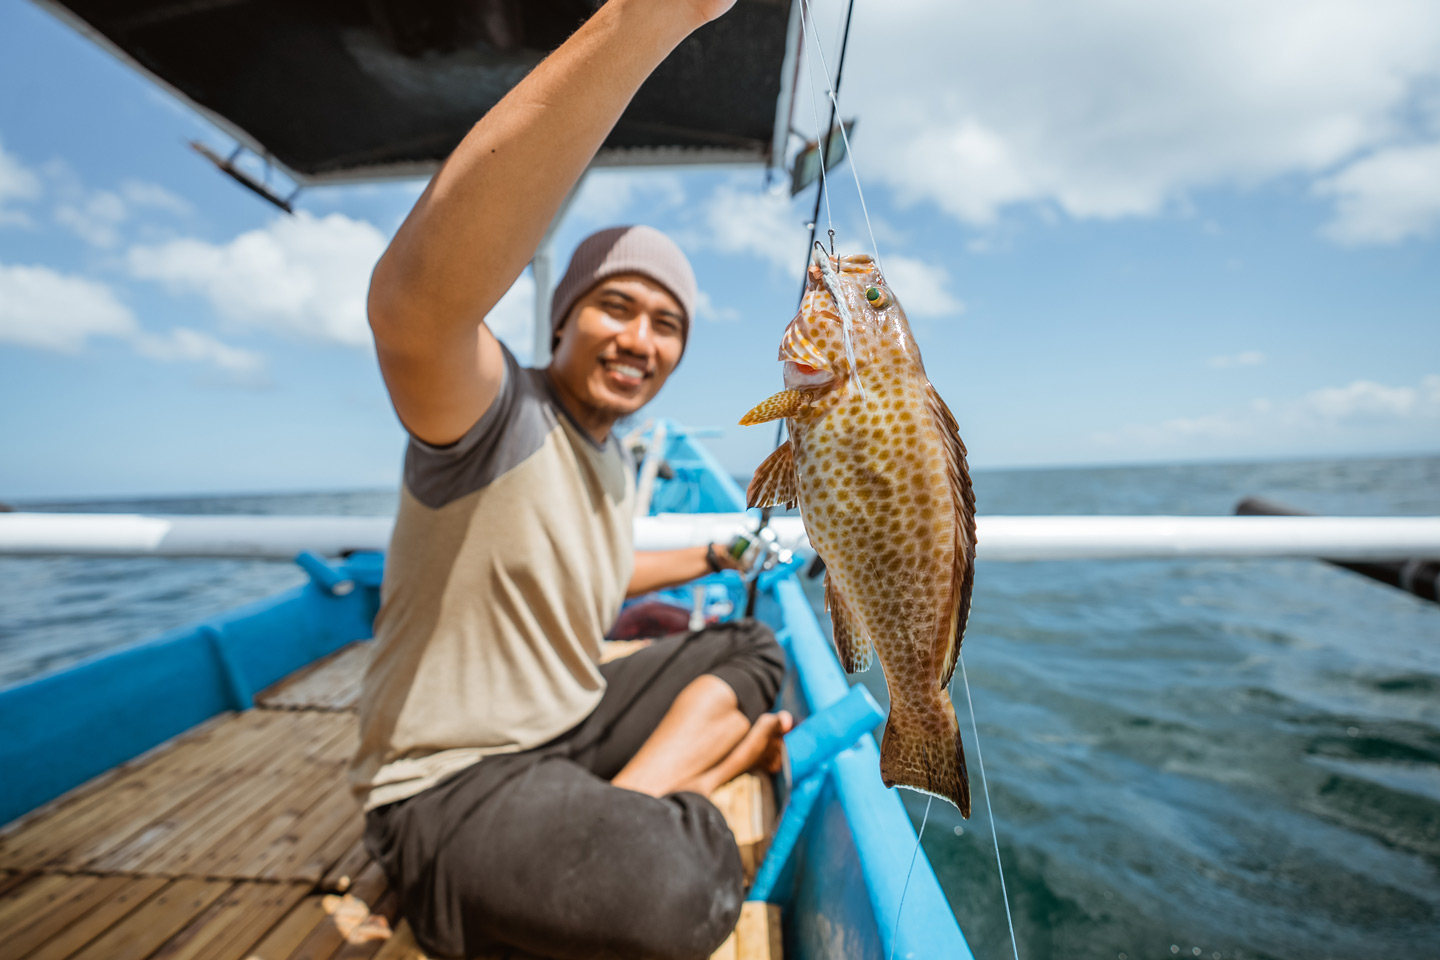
512 429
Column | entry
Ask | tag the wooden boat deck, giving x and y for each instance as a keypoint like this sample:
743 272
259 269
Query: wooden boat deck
239 840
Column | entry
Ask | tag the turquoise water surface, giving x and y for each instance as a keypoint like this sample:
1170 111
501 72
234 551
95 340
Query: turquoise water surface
1187 758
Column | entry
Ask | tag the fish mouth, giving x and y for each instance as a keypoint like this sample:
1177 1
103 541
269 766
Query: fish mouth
801 376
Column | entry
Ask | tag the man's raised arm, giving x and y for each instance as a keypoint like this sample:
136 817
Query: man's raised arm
483 215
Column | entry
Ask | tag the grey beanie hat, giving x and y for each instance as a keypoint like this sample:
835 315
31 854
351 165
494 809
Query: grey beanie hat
637 249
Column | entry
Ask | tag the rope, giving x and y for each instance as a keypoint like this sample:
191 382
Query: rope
895 937
984 785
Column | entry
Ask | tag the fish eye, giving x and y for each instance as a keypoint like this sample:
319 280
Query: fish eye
877 297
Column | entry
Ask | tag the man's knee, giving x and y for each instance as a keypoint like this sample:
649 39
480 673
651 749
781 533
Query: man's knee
690 895
752 663
764 657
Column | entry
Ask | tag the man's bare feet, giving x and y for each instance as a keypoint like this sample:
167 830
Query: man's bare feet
762 748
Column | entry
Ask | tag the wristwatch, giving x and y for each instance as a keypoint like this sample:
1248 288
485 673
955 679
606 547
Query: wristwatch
712 559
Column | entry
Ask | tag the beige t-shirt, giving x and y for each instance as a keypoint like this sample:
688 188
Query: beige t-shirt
510 558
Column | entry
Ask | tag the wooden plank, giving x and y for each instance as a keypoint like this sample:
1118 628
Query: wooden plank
292 856
216 840
84 790
748 805
124 845
729 950
78 897
147 927
188 836
291 931
757 935
328 937
107 914
169 836
332 684
388 907
10 879
401 946
343 872
109 815
44 890
233 924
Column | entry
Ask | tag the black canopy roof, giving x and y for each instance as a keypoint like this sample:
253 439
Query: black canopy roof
361 89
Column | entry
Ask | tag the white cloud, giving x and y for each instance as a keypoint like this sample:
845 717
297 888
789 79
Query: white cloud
1112 108
608 195
95 219
1364 399
739 221
705 309
96 216
301 275
47 310
55 311
1387 197
17 182
1245 358
921 288
1361 415
183 344
141 193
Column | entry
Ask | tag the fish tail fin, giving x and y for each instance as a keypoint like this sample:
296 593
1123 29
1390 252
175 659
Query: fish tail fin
924 752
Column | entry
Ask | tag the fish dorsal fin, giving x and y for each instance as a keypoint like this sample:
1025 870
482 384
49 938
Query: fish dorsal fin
851 641
786 403
774 482
963 497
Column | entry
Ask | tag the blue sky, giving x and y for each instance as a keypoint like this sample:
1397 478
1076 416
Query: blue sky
1124 232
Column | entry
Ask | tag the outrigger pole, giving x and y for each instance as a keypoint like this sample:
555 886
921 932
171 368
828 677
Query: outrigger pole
1000 538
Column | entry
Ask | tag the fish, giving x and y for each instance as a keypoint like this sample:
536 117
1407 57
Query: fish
875 462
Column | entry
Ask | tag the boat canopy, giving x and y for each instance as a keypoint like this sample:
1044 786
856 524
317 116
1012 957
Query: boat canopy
338 90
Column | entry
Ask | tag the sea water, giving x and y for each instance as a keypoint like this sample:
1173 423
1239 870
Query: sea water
1195 758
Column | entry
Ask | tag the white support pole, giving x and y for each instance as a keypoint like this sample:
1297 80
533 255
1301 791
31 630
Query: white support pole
1000 538
542 270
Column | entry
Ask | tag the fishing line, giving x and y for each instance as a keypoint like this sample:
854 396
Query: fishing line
822 142
835 104
895 937
985 786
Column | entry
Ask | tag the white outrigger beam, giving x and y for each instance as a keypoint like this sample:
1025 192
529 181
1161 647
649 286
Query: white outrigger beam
999 537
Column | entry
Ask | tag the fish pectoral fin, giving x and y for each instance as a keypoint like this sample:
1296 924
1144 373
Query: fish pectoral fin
774 482
786 403
852 643
962 496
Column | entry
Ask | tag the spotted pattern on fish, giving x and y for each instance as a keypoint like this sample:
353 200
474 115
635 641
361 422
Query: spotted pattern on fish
882 483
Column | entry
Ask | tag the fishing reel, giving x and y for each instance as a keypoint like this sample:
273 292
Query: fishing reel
759 551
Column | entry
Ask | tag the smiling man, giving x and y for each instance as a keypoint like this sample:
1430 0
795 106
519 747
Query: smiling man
519 793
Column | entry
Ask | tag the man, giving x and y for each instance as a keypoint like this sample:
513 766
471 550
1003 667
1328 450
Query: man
519 795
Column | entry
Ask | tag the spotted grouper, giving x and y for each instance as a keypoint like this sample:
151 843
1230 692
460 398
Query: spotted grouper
876 463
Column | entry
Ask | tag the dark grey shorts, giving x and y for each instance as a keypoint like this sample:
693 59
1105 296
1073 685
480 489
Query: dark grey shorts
536 851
